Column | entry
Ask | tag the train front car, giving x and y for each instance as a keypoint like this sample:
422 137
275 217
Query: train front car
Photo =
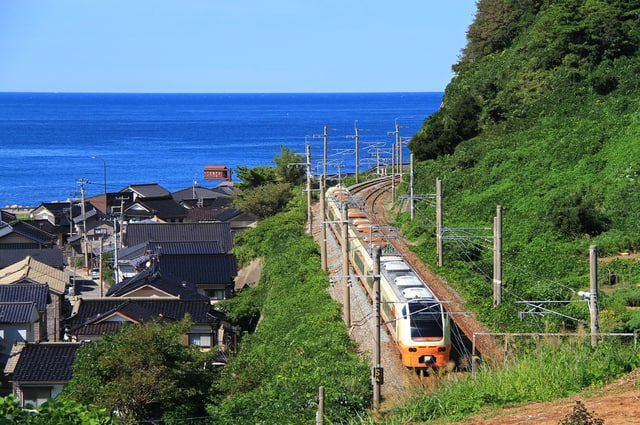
423 334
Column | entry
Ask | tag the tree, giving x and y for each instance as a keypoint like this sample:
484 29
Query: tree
264 200
143 372
256 176
286 171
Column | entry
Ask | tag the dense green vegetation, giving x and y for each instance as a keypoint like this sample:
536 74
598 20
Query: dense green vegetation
55 411
542 119
300 343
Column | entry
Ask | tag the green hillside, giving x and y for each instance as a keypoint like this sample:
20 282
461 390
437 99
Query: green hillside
542 118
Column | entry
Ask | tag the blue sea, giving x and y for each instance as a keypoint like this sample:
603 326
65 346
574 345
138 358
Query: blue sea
49 141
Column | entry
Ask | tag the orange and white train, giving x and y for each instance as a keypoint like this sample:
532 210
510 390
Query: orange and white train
415 318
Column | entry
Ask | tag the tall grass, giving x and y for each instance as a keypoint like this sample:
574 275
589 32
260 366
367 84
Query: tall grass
554 369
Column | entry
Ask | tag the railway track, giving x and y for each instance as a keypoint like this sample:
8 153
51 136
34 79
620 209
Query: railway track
374 198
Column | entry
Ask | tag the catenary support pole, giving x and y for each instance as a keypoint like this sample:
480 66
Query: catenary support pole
320 412
497 257
325 136
345 266
377 369
309 195
411 200
323 225
357 155
593 290
439 221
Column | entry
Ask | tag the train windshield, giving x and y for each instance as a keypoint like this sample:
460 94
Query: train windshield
426 320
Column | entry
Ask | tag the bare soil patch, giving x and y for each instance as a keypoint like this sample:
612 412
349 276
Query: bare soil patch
617 404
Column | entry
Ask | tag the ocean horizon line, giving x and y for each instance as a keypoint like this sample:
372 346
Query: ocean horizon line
219 93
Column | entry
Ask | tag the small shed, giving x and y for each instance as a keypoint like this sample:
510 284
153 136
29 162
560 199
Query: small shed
217 172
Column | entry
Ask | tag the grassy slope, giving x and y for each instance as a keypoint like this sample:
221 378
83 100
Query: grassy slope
561 157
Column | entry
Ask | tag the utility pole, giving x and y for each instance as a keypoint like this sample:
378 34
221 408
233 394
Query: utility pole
593 293
378 376
82 182
115 251
323 225
497 257
439 221
309 197
325 135
357 154
320 412
411 194
393 174
100 271
345 266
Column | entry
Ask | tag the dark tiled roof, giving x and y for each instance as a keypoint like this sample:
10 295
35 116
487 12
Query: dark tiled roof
168 308
201 269
185 247
17 312
6 216
29 231
173 232
162 281
131 252
51 256
148 190
163 208
45 362
26 292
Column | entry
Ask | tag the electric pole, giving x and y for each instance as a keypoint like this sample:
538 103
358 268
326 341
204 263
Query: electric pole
323 225
439 221
309 197
593 293
497 257
82 182
345 266
411 194
377 369
357 154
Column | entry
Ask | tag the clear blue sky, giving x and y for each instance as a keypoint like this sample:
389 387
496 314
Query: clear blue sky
231 46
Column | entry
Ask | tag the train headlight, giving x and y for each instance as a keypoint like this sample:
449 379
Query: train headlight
441 349
412 349
428 359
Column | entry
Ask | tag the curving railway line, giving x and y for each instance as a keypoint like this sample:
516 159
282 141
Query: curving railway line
374 198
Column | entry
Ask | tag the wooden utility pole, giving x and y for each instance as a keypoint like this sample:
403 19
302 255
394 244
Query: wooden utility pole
593 294
497 257
377 369
323 225
439 221
345 266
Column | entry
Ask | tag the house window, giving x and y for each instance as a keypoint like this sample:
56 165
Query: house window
215 294
35 396
200 340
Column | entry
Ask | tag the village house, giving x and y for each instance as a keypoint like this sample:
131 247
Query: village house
39 371
30 271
